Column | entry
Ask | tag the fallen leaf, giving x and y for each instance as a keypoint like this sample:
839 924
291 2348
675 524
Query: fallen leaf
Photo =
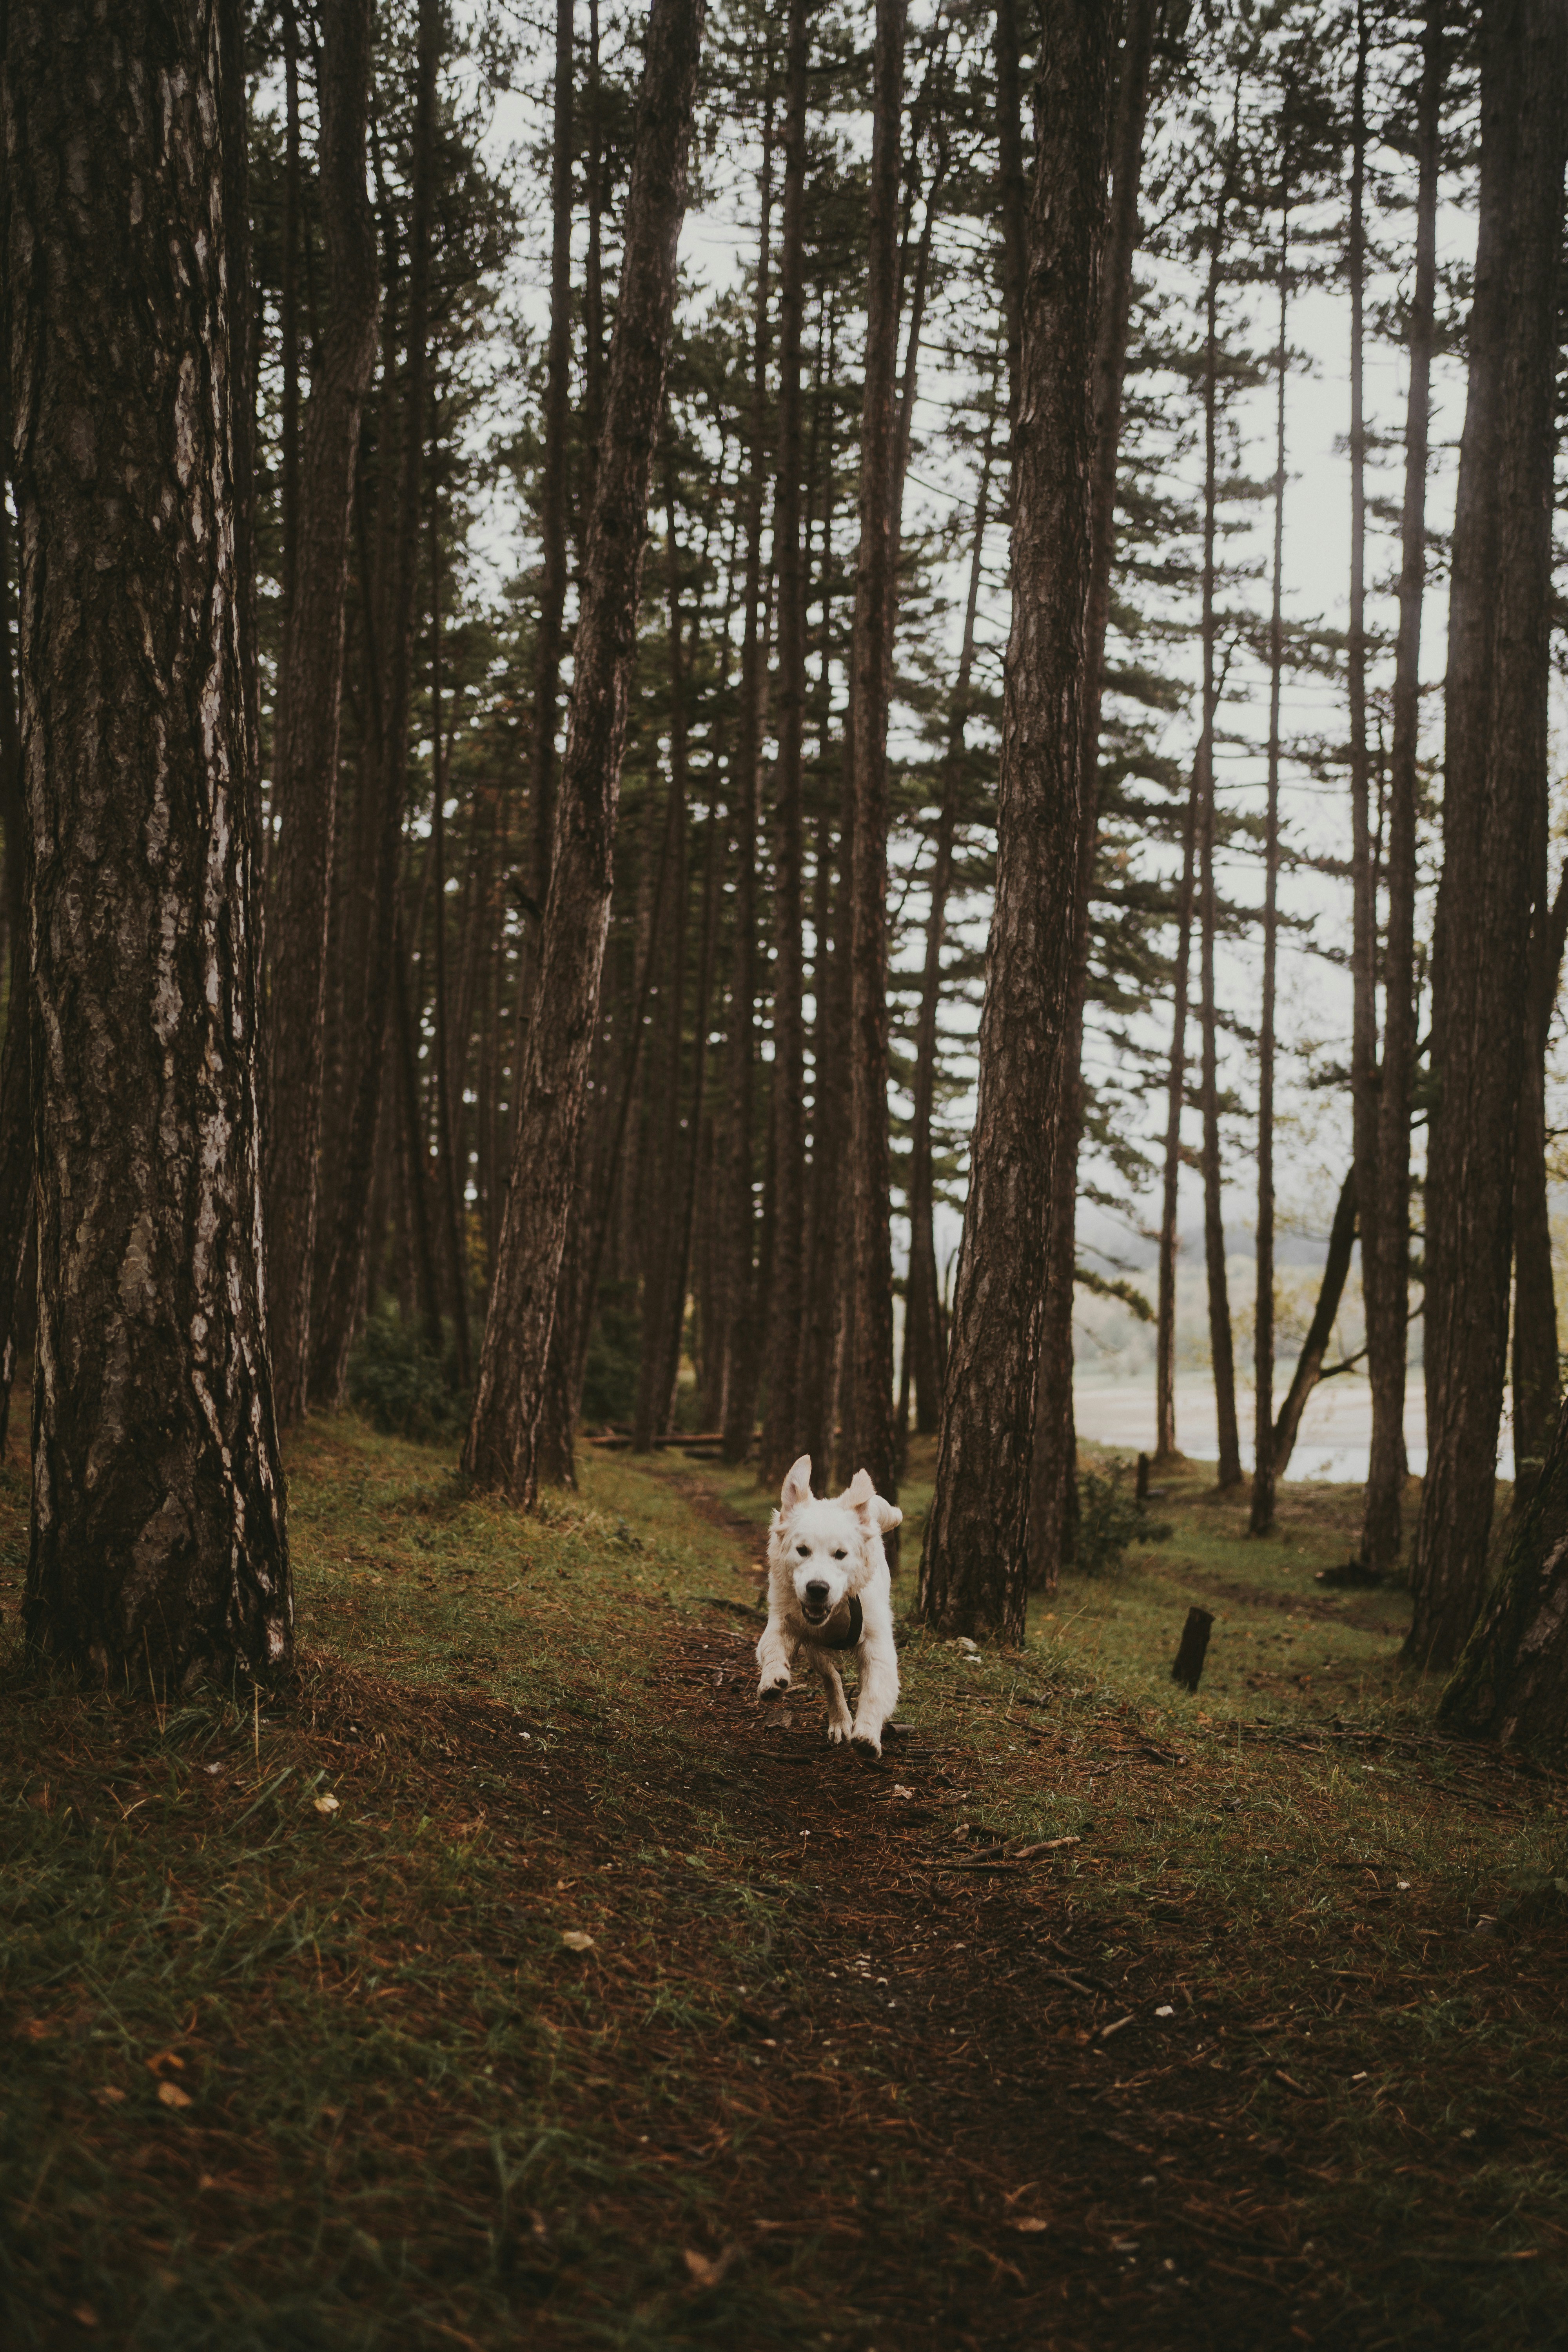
899 1790
84 2314
328 1805
171 2095
575 1941
109 2095
706 2273
34 2029
1031 2225
165 2058
1167 2011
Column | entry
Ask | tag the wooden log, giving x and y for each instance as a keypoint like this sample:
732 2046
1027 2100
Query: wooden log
1189 1666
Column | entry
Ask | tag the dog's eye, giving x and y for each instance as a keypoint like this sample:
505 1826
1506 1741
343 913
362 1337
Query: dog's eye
841 1555
804 1551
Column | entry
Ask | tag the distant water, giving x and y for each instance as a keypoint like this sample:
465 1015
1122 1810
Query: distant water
1333 1442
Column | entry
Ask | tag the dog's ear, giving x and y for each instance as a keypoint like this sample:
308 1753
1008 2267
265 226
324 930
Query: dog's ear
860 1495
796 1489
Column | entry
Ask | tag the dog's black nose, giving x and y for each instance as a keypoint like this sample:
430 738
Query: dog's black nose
816 1591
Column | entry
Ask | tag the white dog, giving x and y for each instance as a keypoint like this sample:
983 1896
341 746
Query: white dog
828 1590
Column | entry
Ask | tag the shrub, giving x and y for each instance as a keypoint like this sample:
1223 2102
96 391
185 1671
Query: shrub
400 1385
1109 1518
614 1353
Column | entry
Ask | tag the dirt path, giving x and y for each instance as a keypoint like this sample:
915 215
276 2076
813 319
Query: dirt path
1106 2142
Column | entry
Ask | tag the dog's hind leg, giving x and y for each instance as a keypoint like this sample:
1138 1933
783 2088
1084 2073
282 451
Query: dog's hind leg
877 1697
837 1704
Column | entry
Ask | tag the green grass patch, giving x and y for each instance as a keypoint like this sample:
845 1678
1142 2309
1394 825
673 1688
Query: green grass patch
517 1980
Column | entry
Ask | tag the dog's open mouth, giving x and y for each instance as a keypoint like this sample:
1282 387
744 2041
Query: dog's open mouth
815 1616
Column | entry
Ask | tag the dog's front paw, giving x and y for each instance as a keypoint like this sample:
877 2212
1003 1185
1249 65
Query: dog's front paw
837 1733
867 1747
773 1686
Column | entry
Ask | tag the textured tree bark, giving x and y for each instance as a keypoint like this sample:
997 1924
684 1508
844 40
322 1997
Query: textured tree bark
781 1421
347 1270
1511 1681
743 1353
925 1340
310 691
973 1575
1176 1102
1264 1477
1496 708
159 1552
1053 1489
871 659
500 1451
1385 1248
1220 1345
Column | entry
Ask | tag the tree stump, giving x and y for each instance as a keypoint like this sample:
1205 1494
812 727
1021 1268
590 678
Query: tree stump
1189 1666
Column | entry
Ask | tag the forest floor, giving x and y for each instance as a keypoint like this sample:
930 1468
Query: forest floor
521 1981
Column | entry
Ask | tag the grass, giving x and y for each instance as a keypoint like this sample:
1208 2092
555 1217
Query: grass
517 1979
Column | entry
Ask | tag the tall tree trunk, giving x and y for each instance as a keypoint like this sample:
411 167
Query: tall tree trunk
1053 1491
288 303
449 1174
351 1241
310 699
662 1308
1535 1364
685 1177
871 657
1176 1102
415 1154
1387 1249
781 1420
500 1451
17 1163
743 1353
593 273
1363 886
1220 1345
925 1340
830 981
1496 708
973 1572
553 498
159 1551
1263 1472
1013 195
1511 1681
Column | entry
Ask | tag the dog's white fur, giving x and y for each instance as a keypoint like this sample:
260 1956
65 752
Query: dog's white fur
820 1554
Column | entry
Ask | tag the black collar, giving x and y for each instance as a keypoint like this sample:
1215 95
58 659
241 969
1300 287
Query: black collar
848 1639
